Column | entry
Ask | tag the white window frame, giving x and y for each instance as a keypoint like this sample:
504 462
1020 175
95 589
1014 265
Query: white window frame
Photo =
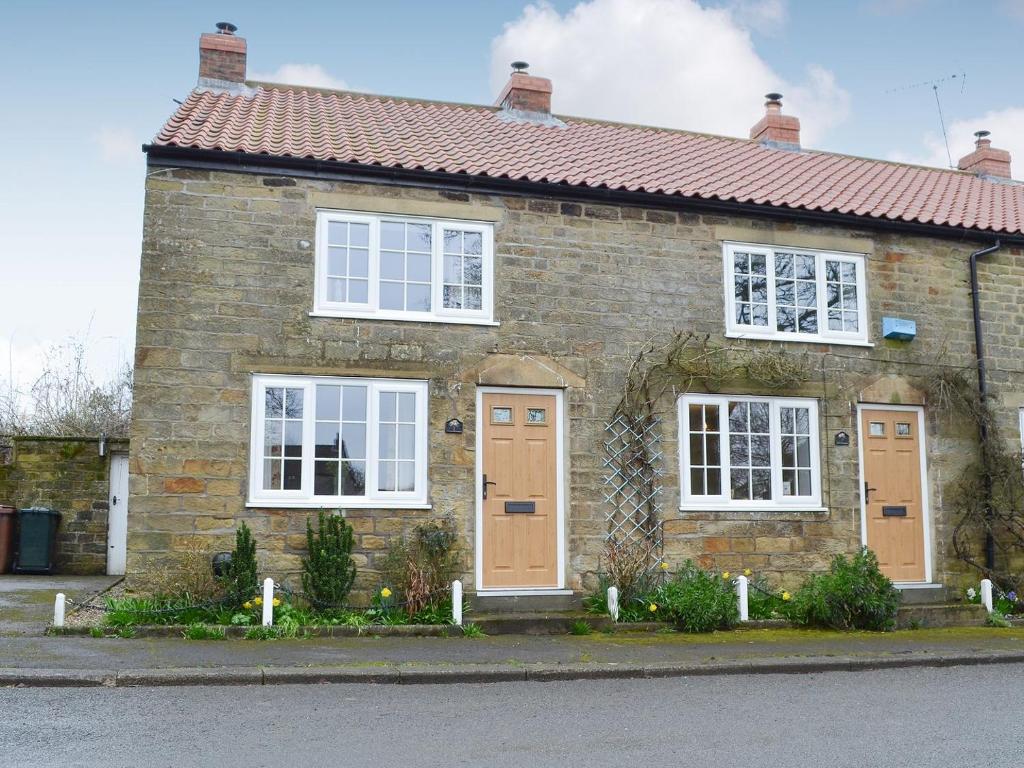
738 331
723 500
304 498
437 314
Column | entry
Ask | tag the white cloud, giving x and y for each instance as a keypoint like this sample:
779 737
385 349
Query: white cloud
119 145
764 16
671 63
1006 125
312 75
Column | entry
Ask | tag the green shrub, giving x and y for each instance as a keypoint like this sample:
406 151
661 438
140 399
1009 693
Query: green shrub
202 632
854 594
472 630
421 568
262 633
763 601
697 601
239 581
327 569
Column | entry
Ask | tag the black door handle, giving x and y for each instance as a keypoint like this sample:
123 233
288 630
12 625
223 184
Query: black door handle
867 492
114 500
486 483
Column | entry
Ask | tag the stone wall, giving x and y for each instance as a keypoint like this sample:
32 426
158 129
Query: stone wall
227 286
69 475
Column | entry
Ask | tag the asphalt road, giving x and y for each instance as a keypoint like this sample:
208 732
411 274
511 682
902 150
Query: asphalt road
966 716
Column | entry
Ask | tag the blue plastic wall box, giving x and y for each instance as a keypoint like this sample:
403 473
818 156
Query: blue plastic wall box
898 328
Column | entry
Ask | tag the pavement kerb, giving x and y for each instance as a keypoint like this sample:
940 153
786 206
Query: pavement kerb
206 676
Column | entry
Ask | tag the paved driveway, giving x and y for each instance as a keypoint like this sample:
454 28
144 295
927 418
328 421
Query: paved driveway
26 602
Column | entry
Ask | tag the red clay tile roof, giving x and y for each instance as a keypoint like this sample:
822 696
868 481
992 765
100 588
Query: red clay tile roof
455 138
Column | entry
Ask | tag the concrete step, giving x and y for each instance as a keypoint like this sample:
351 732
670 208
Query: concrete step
940 615
484 603
927 595
535 623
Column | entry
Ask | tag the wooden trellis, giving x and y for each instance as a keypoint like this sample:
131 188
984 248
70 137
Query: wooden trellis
633 480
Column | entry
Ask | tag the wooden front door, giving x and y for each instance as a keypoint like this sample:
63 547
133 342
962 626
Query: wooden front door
893 498
520 491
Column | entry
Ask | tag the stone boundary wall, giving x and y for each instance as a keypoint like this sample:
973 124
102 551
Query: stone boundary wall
69 475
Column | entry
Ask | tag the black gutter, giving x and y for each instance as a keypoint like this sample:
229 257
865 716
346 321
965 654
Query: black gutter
242 162
979 350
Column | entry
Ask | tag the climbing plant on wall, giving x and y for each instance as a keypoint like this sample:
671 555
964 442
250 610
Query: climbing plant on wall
633 455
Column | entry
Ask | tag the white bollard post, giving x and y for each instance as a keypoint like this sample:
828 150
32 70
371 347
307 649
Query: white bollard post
457 603
986 594
613 603
58 610
741 597
268 602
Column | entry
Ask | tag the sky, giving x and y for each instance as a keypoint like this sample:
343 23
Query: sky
85 85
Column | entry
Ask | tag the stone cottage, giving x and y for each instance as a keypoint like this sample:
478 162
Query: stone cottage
406 310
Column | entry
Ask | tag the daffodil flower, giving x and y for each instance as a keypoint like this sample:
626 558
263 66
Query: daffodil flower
247 605
726 575
786 596
385 593
258 601
747 572
664 566
277 601
652 608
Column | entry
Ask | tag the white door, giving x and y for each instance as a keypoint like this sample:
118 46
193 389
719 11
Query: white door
117 521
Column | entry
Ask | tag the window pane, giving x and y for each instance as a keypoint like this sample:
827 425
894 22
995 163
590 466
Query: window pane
358 291
804 478
293 438
392 235
392 296
392 265
328 440
418 298
738 417
418 237
453 269
418 267
354 403
739 450
271 475
406 406
807 321
739 481
784 265
274 402
474 271
386 476
697 450
387 441
697 487
758 264
328 401
474 243
759 417
474 298
358 262
273 434
337 233
336 289
785 319
353 478
325 478
761 484
292 479
359 235
293 403
407 476
337 262
353 445
714 482
406 441
805 267
849 272
387 406
452 297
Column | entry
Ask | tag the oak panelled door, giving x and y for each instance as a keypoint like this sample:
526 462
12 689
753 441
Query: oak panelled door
893 499
520 499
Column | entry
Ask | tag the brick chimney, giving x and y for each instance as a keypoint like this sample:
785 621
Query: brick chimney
775 128
985 160
526 93
222 56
